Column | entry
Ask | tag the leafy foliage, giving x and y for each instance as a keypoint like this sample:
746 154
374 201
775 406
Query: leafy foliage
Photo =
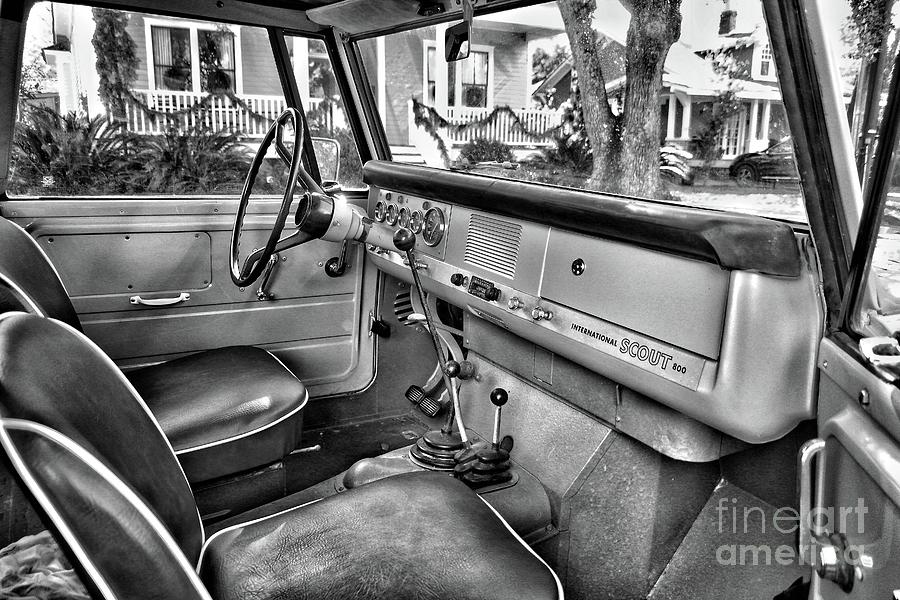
65 154
34 77
481 150
870 23
196 160
543 63
715 115
116 59
72 155
351 167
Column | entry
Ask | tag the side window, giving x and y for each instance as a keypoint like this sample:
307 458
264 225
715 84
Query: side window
333 139
694 127
125 103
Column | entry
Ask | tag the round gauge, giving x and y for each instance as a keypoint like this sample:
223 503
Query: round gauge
380 210
415 221
433 228
391 216
403 218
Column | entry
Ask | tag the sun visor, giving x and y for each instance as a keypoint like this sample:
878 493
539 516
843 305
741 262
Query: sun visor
360 18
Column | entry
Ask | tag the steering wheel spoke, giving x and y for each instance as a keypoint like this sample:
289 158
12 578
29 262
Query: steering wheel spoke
283 154
289 241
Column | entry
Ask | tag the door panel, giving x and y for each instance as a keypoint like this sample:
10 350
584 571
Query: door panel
858 483
183 261
112 250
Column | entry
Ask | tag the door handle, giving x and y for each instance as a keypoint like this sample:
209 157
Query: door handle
805 456
160 301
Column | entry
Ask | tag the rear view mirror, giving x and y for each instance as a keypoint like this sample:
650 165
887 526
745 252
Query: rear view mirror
456 41
328 155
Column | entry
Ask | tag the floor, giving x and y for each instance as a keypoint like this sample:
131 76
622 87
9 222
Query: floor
736 549
342 446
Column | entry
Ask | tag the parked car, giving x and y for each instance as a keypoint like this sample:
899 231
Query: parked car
775 163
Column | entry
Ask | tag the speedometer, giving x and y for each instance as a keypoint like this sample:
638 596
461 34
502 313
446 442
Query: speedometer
434 226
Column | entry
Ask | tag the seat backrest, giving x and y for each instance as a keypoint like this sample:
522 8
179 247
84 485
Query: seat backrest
113 539
56 379
24 263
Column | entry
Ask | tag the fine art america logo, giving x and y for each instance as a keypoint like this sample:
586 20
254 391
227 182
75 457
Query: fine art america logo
745 527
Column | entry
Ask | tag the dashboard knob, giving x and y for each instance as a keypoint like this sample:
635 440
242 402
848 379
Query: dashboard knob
515 303
539 314
457 279
492 294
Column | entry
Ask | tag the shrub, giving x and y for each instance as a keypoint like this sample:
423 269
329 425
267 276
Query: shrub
196 160
481 150
65 154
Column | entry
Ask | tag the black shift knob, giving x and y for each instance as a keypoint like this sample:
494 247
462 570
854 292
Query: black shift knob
499 397
404 239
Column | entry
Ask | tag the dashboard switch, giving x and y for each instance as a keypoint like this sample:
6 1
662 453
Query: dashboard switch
515 303
457 279
539 314
492 294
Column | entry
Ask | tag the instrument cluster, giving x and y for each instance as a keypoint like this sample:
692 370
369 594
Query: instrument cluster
422 217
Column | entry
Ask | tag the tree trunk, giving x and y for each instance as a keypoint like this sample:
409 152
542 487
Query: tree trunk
600 123
655 26
625 147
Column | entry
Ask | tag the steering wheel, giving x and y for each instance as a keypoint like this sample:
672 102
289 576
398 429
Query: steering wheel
313 213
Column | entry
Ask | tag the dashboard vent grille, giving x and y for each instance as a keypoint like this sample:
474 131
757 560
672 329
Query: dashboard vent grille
493 244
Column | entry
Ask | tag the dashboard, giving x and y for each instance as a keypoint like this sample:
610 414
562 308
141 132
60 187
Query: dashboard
724 346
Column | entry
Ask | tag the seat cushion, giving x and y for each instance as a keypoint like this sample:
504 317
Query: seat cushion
225 410
415 535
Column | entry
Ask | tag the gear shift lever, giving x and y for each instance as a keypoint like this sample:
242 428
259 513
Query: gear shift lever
435 449
499 397
486 465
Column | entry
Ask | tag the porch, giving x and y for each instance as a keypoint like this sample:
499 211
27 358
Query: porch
217 113
747 130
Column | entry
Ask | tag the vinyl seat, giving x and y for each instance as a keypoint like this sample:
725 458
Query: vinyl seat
108 485
225 410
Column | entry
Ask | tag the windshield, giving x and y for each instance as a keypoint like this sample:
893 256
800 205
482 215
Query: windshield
676 106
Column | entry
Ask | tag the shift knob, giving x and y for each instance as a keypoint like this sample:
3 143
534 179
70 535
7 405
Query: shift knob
451 368
404 239
499 397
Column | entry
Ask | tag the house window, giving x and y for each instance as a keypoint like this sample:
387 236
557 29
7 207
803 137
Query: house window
217 62
430 77
197 58
475 79
172 58
468 81
765 61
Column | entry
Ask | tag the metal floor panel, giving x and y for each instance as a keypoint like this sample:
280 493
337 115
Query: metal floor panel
734 550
